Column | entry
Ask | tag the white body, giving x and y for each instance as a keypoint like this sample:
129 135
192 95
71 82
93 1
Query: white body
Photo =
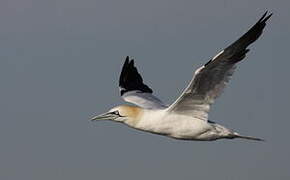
179 126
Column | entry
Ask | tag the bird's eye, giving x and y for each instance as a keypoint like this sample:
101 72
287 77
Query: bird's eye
116 113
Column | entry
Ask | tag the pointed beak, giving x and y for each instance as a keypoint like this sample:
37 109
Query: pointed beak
105 116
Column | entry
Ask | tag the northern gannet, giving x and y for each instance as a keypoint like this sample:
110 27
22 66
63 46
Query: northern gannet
187 117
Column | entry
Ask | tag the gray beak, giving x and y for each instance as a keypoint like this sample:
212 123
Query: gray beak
105 116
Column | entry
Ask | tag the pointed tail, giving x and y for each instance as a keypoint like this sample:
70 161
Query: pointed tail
236 135
250 138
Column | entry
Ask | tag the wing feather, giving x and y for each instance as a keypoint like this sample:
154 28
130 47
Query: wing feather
133 89
210 80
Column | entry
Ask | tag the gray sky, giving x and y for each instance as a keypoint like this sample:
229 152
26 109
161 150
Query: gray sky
60 62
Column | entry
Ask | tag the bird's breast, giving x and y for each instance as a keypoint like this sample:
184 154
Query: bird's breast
174 125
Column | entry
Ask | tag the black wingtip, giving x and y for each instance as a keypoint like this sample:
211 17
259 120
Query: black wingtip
264 18
127 61
130 79
267 17
131 63
127 58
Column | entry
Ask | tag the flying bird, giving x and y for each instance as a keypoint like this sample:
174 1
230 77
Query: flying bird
187 117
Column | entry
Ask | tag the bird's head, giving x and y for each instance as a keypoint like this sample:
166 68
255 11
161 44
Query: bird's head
123 113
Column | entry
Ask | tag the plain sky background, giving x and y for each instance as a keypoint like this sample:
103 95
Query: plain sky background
60 62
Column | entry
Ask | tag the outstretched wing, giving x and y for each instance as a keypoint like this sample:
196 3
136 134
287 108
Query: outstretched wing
133 89
209 80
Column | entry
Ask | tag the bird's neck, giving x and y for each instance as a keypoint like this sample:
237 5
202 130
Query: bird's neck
134 115
147 120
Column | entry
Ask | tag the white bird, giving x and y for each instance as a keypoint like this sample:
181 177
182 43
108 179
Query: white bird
187 117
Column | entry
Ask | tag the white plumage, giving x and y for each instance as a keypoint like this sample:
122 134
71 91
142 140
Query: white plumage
187 117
